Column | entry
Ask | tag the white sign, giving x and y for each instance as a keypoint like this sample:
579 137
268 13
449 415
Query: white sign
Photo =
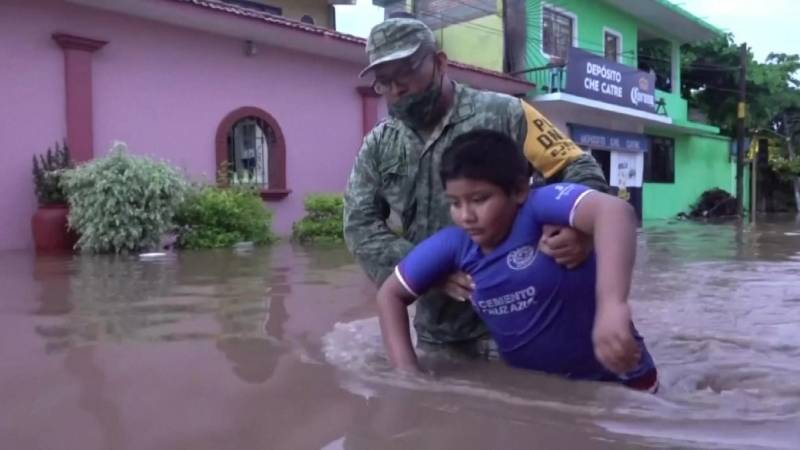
626 169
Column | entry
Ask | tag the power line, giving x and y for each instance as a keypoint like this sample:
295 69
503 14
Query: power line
478 8
456 21
709 67
451 20
703 68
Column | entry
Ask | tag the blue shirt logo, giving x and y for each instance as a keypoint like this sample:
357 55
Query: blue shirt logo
521 258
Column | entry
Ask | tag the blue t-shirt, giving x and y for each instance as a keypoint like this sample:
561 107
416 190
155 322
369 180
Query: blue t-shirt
540 314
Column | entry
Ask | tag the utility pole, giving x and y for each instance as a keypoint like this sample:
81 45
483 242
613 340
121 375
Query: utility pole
741 113
787 132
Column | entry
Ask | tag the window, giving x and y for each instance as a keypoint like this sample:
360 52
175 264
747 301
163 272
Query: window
557 33
659 162
250 149
655 55
307 19
612 47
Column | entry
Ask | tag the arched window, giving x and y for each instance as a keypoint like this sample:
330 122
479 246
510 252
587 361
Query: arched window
307 19
250 149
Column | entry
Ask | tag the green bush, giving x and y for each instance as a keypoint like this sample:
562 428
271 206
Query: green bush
786 168
48 170
120 202
215 217
323 221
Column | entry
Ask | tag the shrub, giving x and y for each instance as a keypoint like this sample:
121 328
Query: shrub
214 217
123 203
323 221
48 170
787 169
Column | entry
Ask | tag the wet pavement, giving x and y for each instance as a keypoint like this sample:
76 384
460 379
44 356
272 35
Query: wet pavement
279 348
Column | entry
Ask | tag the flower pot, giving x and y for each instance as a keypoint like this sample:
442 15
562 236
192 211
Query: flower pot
50 231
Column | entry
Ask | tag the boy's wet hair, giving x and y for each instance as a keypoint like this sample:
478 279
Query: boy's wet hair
485 155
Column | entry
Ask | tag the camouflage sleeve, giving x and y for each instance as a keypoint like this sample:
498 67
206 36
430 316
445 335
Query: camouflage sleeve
553 154
585 171
368 237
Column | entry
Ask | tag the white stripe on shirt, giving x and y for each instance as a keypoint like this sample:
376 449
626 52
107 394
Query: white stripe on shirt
403 281
575 206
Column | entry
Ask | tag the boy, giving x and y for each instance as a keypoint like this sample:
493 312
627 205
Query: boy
574 323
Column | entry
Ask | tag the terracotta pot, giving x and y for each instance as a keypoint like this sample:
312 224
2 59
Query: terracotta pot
50 232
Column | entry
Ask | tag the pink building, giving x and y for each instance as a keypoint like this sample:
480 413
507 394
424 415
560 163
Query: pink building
195 82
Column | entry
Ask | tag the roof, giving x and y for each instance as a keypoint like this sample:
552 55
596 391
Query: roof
212 16
272 19
669 19
325 32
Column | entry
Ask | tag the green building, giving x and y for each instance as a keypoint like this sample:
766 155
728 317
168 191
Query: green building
608 73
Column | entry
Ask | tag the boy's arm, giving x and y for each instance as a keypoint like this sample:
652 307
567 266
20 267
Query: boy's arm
612 223
426 265
393 301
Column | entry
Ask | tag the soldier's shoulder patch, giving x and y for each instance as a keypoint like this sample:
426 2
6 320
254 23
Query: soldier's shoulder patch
546 147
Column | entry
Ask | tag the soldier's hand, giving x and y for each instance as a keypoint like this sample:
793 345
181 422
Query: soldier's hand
569 247
458 285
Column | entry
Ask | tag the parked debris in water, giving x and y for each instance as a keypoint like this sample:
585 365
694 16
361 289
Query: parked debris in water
713 203
152 256
244 247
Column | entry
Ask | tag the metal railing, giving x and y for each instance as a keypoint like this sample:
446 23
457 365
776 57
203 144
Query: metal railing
548 79
553 78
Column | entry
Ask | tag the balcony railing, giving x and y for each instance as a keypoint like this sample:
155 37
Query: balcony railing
548 79
553 78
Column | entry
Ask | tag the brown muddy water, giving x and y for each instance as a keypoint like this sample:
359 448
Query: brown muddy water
279 348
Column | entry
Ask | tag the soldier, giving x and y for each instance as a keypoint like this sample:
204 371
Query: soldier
397 171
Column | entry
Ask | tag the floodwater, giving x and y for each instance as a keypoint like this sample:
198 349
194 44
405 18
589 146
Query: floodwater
279 348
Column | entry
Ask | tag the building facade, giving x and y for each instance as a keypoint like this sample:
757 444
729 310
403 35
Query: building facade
199 83
608 72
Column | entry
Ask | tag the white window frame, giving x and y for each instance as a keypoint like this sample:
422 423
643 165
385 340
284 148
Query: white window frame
562 11
260 148
616 34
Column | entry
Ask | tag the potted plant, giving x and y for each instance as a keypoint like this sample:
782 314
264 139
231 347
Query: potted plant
49 223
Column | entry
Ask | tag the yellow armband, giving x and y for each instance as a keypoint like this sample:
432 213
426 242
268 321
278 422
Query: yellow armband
545 146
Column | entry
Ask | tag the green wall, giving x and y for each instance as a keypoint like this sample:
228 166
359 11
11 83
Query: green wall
591 21
676 105
701 163
478 42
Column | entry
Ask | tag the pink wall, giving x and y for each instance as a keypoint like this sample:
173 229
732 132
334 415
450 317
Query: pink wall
164 90
31 112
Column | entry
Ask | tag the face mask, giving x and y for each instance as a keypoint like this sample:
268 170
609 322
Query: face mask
418 110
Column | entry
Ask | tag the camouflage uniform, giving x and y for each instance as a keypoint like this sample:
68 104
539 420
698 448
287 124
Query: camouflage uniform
397 172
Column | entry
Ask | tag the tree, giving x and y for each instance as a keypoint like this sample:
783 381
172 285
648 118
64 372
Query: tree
710 82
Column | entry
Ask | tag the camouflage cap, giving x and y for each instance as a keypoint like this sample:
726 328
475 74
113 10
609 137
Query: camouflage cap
395 39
